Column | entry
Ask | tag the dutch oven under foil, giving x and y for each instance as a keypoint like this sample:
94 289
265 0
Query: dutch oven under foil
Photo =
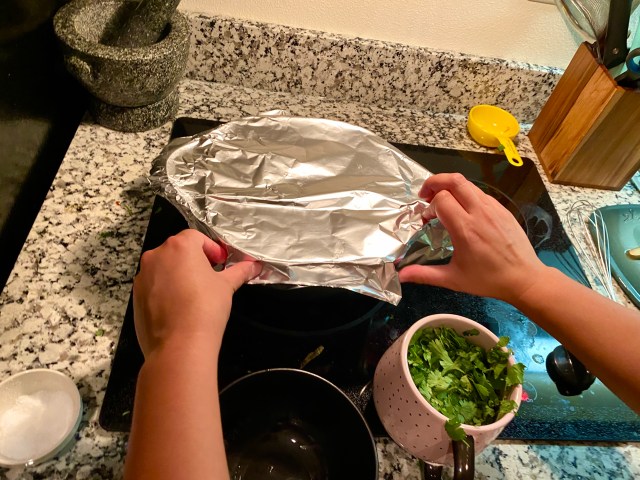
318 202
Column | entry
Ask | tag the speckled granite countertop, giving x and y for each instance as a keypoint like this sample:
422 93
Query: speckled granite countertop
65 300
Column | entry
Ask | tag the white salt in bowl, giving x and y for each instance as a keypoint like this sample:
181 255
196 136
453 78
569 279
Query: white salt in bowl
40 411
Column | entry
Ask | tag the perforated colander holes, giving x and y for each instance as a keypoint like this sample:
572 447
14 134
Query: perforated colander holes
415 447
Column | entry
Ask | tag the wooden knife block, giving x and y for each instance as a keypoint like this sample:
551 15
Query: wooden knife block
588 132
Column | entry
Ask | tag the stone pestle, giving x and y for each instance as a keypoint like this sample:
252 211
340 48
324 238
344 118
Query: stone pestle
139 24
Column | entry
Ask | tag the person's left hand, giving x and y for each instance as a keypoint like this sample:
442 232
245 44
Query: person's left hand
179 297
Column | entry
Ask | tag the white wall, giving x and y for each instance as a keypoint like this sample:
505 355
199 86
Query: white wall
520 30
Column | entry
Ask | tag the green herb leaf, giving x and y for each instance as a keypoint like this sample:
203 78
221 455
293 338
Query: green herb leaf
437 381
455 431
515 374
506 406
460 379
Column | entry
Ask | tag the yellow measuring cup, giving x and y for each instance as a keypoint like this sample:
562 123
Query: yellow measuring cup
494 127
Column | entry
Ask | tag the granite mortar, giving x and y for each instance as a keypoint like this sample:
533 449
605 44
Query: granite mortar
132 87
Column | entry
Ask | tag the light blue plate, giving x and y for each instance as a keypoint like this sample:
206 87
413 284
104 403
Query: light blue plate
623 227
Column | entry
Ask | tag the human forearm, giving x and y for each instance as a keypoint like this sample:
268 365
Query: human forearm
181 307
605 336
176 430
494 258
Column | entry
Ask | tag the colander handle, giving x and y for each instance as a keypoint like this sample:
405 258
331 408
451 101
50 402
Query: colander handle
463 462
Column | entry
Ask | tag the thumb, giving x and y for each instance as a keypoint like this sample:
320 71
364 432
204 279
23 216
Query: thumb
436 275
241 273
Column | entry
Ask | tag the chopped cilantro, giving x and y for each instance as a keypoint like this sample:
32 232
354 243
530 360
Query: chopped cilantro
311 356
128 209
461 380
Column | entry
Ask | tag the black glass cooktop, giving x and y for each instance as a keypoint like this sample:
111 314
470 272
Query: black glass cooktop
348 356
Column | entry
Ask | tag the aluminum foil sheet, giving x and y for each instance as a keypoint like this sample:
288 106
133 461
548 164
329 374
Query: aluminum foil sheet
318 202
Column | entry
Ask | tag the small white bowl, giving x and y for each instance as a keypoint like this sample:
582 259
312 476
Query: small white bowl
40 412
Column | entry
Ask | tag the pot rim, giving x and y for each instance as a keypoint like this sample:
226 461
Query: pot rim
327 332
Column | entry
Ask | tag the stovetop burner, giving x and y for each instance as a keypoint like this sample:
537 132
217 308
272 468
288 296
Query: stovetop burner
348 356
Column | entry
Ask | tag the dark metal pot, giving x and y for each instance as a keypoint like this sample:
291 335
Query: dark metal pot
317 328
288 423
303 311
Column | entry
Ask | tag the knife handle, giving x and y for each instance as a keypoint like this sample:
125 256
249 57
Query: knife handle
615 43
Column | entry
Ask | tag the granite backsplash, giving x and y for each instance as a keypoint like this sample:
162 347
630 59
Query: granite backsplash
286 59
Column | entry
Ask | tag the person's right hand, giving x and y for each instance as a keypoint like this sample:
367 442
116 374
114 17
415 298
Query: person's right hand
492 254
